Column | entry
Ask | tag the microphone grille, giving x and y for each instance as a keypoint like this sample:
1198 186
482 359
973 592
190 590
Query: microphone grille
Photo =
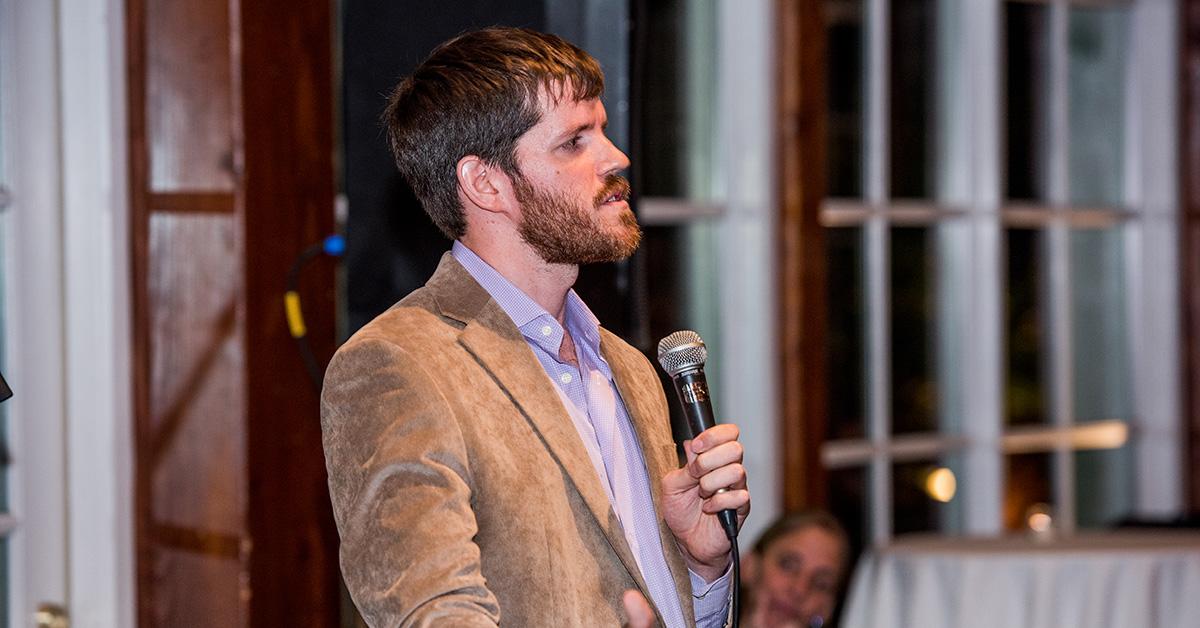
681 351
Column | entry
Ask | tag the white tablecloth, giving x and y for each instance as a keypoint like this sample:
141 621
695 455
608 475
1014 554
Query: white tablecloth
1118 580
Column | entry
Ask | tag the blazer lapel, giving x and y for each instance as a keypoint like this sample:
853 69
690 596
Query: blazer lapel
490 335
648 419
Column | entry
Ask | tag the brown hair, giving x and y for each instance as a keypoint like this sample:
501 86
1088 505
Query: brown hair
811 518
477 94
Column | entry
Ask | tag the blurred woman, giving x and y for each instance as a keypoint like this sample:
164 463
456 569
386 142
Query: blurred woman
796 570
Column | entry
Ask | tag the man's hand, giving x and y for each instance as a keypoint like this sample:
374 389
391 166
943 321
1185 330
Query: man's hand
637 609
691 501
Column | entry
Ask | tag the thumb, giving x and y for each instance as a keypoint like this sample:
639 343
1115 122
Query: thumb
637 609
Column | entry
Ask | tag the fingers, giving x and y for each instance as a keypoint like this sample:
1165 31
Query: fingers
714 436
730 476
637 609
738 500
714 470
728 453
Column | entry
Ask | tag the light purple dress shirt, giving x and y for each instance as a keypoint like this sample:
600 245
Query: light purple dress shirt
591 398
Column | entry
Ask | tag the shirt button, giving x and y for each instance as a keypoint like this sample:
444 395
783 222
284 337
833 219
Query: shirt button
565 378
547 330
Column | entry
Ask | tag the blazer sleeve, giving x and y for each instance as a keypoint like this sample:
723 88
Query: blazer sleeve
399 480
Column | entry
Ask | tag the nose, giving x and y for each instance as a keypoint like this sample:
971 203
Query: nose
800 588
614 159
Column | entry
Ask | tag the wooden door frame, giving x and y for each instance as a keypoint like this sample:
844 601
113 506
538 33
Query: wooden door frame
800 123
281 202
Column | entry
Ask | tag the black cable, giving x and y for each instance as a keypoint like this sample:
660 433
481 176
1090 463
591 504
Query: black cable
737 582
333 246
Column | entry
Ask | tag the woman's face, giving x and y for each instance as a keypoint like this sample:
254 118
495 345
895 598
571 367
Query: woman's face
798 578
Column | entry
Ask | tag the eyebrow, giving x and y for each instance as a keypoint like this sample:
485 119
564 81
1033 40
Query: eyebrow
576 130
581 128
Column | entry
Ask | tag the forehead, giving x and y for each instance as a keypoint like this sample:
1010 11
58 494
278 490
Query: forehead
819 547
562 113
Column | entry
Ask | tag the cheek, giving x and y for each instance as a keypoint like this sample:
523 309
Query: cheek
819 604
780 585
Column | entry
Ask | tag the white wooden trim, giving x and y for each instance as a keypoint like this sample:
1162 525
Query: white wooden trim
1058 257
908 448
36 413
68 313
878 334
746 235
1153 284
662 210
1106 434
97 326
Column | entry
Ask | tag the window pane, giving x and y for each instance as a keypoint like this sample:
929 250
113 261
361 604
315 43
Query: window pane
1027 484
1098 43
848 502
847 391
683 294
844 72
1027 77
915 326
679 87
1027 320
1103 487
925 497
913 128
1100 329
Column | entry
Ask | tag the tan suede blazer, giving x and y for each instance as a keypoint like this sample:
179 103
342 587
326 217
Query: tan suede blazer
462 491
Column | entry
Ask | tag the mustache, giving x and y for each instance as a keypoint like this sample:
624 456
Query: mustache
613 184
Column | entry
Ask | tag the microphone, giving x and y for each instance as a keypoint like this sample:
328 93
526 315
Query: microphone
682 355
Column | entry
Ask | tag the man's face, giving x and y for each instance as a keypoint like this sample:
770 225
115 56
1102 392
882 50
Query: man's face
799 577
574 205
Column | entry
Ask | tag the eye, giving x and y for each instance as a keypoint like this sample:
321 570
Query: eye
573 144
790 565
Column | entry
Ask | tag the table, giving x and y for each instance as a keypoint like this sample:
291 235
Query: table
1142 579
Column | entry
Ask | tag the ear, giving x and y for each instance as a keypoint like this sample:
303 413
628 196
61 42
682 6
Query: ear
484 185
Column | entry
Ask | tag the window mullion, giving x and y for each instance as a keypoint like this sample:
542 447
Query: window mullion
1153 192
980 100
878 334
1059 289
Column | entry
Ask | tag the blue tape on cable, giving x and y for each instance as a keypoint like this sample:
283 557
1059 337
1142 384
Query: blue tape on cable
335 245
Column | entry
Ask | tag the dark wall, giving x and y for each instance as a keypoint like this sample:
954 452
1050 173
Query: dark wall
392 247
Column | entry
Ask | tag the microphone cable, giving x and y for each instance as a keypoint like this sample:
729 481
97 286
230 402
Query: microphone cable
332 246
736 603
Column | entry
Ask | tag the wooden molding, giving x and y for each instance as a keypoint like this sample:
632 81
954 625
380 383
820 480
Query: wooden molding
800 122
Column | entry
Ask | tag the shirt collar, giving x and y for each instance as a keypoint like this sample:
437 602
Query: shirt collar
532 319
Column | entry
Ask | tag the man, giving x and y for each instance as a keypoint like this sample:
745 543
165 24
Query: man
495 457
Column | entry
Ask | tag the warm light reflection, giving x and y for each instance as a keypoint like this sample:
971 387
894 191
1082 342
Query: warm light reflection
1039 518
941 484
1110 434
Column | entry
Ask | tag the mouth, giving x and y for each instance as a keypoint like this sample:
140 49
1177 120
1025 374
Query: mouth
616 192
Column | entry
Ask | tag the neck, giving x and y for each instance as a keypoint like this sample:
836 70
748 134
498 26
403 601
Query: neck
547 284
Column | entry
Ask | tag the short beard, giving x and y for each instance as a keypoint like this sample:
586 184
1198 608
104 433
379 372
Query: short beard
563 232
